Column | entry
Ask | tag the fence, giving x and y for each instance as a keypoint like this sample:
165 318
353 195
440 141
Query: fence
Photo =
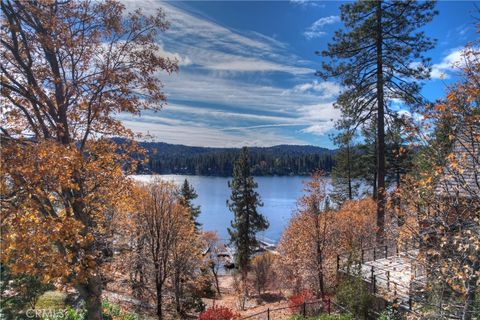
377 252
308 308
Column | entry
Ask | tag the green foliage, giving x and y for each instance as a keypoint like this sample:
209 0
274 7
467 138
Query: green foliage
51 300
354 294
69 314
278 160
389 314
345 170
323 317
378 50
110 311
187 195
19 292
243 203
194 302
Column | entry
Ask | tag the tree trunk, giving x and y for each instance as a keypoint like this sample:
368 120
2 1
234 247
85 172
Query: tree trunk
467 313
380 130
91 292
178 293
319 258
215 276
159 288
349 172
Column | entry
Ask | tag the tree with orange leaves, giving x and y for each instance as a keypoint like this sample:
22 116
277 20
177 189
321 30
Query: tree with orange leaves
305 241
67 68
316 234
441 202
171 243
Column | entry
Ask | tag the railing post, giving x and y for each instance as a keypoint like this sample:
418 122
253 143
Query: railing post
304 309
374 254
338 262
329 305
372 270
396 248
388 280
386 251
363 255
410 302
268 313
374 282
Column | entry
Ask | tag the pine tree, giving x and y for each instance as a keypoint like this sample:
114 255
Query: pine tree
187 195
379 58
243 203
345 169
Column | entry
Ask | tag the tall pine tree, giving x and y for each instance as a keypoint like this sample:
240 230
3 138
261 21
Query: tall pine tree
378 58
345 170
243 203
187 195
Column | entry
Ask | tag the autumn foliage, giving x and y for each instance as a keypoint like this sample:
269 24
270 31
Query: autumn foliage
68 67
441 201
316 234
218 313
297 300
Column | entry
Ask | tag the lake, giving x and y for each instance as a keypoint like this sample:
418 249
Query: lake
279 196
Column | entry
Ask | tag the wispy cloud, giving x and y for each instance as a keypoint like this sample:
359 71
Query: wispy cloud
308 3
203 135
451 61
234 87
316 30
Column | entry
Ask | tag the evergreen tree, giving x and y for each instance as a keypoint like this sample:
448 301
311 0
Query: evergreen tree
187 195
243 203
399 155
345 169
379 58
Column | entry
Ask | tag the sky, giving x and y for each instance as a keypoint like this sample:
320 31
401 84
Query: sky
247 69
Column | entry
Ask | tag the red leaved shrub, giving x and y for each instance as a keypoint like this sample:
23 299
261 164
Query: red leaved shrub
218 313
296 301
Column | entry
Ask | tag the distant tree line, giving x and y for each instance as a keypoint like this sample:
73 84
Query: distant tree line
278 160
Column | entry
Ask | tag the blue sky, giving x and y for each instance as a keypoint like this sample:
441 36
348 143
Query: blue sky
247 70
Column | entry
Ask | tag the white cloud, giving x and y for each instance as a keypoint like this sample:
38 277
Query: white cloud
210 101
238 64
328 89
316 29
309 3
453 60
214 47
201 135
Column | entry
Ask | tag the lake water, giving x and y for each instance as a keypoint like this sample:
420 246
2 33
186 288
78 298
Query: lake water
279 196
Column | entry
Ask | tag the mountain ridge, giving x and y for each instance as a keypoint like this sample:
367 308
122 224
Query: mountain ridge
166 158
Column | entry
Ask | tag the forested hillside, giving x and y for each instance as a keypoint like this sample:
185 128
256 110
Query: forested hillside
167 158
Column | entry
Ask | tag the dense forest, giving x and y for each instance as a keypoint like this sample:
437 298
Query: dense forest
167 158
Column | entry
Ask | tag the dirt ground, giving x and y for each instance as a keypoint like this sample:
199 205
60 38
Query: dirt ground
255 304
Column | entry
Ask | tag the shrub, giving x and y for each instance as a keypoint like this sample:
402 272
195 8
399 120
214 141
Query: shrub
323 317
109 311
389 314
354 295
218 313
296 301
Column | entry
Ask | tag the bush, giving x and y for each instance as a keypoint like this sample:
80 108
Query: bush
19 292
109 311
354 295
296 301
51 300
323 317
389 314
218 313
